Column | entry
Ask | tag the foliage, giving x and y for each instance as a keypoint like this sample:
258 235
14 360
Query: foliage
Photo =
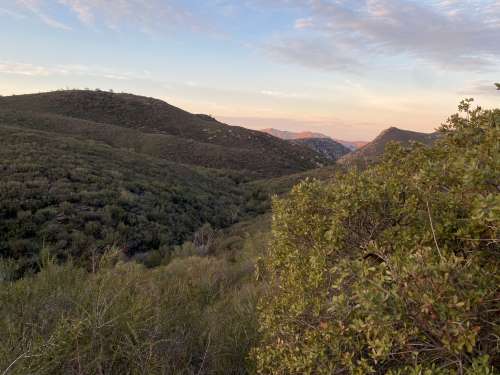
187 315
393 270
79 197
194 316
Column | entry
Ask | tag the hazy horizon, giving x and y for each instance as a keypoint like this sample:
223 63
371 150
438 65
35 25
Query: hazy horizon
348 69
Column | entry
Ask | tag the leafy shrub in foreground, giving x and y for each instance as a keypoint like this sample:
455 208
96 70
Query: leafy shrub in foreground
394 270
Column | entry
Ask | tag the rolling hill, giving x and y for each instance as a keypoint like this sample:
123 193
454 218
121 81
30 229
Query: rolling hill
373 150
156 128
82 171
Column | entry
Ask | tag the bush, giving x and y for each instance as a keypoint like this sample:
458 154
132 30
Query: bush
194 316
394 270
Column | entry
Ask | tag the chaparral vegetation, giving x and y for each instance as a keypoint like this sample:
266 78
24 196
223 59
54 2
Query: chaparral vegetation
114 261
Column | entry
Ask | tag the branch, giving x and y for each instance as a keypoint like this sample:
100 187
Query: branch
433 232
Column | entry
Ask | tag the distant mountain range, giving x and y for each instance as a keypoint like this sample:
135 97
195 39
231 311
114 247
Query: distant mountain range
287 135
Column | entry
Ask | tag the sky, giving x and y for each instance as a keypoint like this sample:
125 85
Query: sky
345 68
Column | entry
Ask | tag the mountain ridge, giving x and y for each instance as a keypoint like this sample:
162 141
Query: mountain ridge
192 138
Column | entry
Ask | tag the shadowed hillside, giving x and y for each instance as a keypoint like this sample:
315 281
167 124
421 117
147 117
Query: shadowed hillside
327 147
80 197
178 135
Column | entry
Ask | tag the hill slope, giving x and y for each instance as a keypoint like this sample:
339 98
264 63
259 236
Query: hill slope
327 147
373 150
79 197
186 138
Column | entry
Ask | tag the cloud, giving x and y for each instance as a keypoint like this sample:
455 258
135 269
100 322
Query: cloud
315 53
460 35
37 7
148 16
23 69
304 23
11 14
32 70
285 95
480 88
82 9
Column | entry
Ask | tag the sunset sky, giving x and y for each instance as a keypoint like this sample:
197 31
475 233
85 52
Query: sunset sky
346 68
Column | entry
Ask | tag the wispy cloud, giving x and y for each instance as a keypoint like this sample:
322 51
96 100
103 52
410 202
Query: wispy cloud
10 13
312 52
304 23
23 69
27 69
480 88
37 7
148 16
285 95
461 35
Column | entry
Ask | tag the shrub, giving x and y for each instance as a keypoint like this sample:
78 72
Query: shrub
194 316
392 270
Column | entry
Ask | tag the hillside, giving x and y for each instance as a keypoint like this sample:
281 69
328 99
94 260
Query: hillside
154 127
373 150
327 147
288 135
80 197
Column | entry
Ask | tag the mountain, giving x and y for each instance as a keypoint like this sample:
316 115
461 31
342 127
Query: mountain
287 135
156 128
327 147
83 171
373 150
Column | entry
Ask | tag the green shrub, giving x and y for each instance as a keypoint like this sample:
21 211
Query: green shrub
194 316
392 270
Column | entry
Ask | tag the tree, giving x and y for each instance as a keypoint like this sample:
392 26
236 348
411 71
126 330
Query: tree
393 270
497 85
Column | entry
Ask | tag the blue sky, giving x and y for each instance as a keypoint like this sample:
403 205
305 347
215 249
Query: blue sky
347 68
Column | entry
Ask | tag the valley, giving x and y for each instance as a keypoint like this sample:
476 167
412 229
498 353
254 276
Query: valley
136 237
